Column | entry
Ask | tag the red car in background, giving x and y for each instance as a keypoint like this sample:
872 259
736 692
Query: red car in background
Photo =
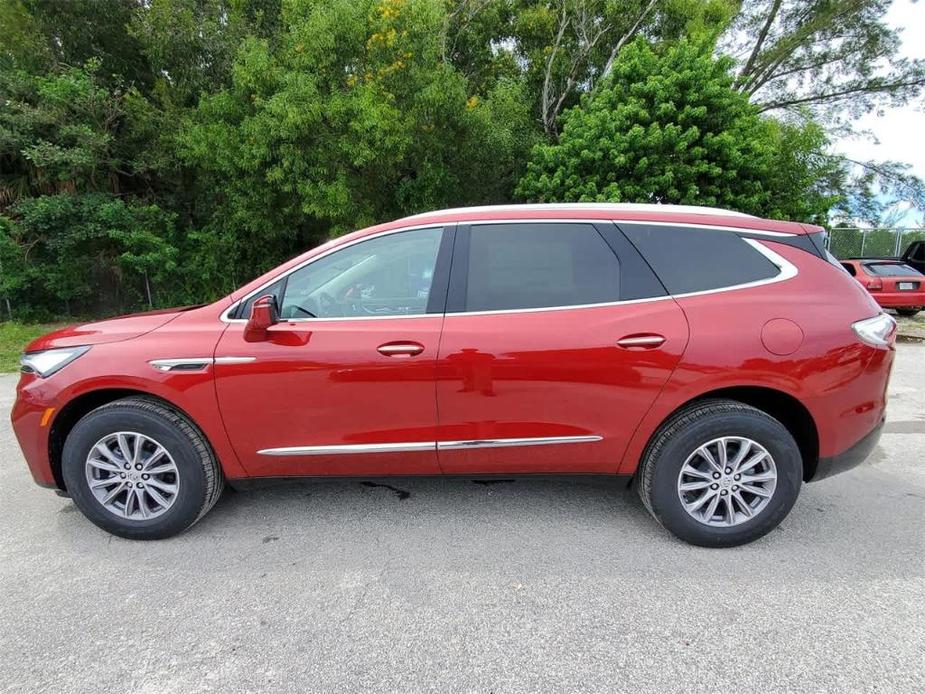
718 359
892 283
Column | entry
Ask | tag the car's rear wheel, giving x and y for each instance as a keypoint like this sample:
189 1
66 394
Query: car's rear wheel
907 312
720 473
140 469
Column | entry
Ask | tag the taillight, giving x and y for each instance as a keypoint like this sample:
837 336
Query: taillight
874 285
879 331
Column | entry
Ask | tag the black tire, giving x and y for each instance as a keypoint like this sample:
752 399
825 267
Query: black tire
689 429
907 312
200 476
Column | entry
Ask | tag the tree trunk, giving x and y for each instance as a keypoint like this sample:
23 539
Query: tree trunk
148 291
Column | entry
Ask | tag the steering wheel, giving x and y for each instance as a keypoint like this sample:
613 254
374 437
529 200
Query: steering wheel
327 305
296 307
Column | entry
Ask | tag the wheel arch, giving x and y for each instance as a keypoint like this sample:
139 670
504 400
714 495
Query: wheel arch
784 407
85 403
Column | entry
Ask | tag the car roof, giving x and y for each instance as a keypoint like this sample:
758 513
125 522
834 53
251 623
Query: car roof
627 212
681 215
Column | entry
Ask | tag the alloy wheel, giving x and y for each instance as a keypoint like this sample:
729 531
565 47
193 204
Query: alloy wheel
132 476
727 481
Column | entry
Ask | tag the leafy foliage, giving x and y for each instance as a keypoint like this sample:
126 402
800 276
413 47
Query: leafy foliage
835 57
564 49
165 151
668 128
74 248
349 119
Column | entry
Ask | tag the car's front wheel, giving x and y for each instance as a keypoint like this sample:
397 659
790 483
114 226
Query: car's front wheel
720 473
140 470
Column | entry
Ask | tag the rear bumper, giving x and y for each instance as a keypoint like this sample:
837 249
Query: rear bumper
849 458
899 299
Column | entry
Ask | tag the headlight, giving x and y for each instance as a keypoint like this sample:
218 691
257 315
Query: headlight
48 361
879 331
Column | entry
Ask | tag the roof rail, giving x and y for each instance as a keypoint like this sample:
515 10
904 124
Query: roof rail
614 207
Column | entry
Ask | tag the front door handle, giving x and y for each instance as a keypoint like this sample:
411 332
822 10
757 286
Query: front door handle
641 341
401 349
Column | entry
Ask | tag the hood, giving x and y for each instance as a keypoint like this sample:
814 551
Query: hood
111 330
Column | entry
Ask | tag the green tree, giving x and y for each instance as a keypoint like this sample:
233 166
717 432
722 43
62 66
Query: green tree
352 117
836 58
210 139
564 49
77 31
65 254
669 128
190 44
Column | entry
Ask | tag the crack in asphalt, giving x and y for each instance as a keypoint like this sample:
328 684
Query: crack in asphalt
400 493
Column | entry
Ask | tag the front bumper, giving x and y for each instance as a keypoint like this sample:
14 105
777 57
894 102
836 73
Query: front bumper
849 458
32 426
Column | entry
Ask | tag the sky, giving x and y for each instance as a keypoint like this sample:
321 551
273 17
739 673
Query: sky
899 132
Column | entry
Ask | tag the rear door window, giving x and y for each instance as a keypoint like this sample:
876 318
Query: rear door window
539 265
689 260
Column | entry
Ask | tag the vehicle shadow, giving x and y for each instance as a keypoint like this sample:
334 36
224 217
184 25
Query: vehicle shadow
569 526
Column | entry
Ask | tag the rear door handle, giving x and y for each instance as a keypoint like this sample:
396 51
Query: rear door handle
401 349
641 341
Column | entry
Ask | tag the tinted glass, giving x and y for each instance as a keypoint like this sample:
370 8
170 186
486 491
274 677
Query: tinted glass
385 276
850 268
244 310
695 260
516 266
892 270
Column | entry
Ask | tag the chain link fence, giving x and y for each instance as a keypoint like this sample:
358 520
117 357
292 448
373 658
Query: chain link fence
855 243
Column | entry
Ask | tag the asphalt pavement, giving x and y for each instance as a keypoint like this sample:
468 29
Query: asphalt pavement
457 586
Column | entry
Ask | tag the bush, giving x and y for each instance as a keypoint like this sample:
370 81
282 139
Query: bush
93 253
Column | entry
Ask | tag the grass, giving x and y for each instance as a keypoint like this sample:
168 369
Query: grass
912 327
14 336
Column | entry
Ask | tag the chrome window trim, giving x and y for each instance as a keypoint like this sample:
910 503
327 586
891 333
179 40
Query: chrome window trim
788 270
411 446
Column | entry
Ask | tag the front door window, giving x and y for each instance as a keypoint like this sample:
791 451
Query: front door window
386 276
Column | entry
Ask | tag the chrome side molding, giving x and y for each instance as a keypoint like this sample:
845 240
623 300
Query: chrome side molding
360 448
505 443
234 360
351 448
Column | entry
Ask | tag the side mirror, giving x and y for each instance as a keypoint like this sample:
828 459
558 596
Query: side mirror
264 313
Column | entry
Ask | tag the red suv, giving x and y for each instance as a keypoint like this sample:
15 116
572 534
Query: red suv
718 359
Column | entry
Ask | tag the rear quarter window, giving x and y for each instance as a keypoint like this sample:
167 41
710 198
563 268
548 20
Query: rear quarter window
690 260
